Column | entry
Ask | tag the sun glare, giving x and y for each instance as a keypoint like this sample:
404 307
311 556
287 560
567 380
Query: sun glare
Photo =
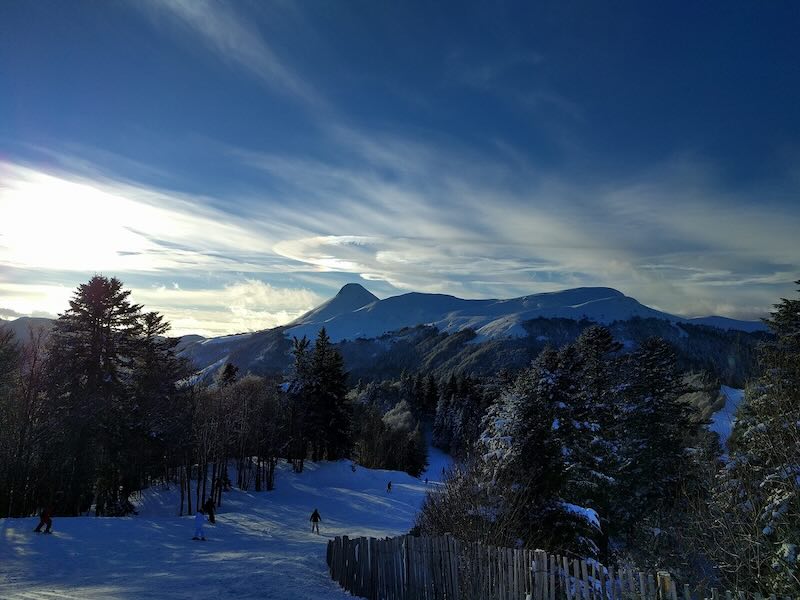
51 223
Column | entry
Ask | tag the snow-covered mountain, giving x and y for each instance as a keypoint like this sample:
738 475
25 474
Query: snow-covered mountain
354 313
351 314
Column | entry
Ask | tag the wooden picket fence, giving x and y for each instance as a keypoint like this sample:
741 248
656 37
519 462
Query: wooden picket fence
443 568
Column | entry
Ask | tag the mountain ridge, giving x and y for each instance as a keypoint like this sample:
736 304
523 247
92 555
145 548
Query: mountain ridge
489 318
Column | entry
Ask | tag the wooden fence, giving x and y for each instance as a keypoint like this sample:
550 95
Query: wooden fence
442 568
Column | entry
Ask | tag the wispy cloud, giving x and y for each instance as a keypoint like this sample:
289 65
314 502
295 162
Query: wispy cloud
516 77
236 40
481 73
444 220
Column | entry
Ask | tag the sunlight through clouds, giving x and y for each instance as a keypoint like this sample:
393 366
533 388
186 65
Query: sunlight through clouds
59 223
247 305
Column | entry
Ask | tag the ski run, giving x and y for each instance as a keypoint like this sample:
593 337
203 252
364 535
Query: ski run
260 547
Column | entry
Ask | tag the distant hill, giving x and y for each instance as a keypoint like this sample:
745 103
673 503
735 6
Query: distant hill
22 326
726 323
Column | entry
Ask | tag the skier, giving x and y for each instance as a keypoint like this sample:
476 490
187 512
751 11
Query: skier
389 488
208 507
45 518
199 519
315 519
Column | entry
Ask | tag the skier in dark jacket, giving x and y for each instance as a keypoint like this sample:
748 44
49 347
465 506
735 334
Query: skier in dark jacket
45 518
315 519
208 508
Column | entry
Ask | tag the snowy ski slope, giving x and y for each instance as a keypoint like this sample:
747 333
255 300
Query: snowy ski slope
261 546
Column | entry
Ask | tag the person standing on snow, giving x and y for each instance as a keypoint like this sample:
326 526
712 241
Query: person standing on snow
199 520
389 488
315 519
208 507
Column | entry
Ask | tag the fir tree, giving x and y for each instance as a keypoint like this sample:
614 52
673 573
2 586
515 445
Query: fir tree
655 429
431 395
329 414
227 374
299 403
588 425
108 370
522 459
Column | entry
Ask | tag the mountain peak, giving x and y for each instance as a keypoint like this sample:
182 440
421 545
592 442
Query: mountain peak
354 292
351 297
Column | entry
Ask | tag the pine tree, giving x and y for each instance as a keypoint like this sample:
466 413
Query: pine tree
588 428
329 414
522 458
654 432
418 393
112 376
93 345
443 415
227 375
431 395
299 409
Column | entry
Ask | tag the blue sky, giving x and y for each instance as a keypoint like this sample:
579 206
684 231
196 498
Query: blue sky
234 163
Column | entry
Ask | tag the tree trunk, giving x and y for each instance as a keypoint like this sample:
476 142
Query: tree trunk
271 463
181 477
205 477
189 488
197 503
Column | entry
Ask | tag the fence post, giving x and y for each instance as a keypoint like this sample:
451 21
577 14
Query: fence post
664 585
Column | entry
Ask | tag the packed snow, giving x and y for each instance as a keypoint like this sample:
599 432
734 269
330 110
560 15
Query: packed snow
260 547
722 421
